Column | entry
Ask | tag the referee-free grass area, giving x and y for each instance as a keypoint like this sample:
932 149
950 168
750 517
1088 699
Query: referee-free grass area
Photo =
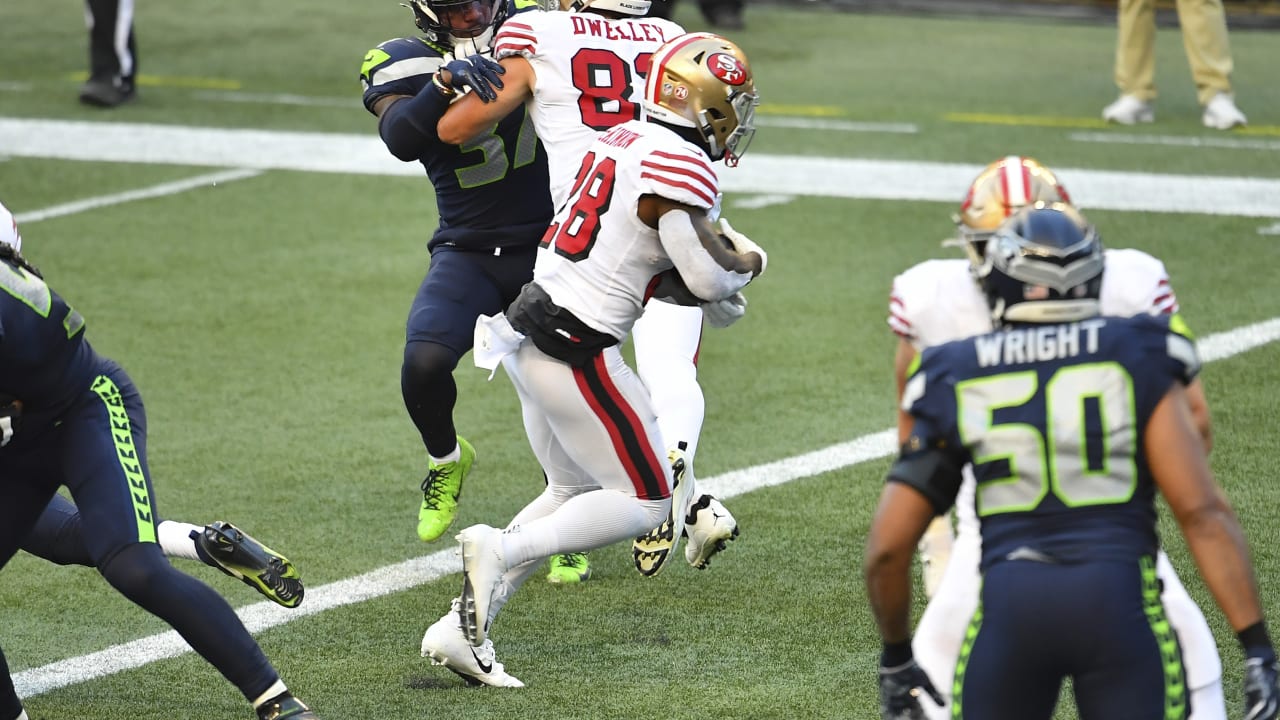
262 320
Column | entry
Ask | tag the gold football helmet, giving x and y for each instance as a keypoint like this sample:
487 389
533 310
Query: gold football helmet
703 81
1001 189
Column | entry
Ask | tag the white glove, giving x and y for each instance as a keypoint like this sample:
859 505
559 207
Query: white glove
743 244
723 313
714 213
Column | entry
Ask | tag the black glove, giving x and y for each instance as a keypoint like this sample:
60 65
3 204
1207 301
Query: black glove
1261 696
900 689
478 73
10 414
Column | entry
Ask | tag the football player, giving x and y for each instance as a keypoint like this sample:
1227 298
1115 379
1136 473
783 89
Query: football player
58 534
938 301
71 417
492 200
1072 422
634 226
579 73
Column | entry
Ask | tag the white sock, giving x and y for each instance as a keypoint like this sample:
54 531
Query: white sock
23 716
454 456
275 690
585 522
175 539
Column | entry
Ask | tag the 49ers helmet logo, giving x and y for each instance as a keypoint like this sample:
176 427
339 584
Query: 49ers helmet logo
727 68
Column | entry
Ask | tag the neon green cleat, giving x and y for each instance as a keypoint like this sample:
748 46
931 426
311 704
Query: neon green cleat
440 492
569 568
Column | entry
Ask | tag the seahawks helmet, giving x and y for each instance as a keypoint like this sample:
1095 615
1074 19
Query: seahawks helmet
465 25
1043 265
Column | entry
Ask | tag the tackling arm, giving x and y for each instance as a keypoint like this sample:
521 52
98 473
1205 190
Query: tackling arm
471 115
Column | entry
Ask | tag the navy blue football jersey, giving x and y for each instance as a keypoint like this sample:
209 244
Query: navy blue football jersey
1052 419
492 191
44 359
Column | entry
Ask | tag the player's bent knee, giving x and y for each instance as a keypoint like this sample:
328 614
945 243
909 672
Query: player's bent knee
428 360
135 569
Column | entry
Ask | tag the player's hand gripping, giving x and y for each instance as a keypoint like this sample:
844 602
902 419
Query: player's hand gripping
723 313
743 244
1261 696
476 72
900 689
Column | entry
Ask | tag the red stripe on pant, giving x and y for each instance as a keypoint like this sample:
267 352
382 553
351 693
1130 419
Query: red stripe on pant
626 432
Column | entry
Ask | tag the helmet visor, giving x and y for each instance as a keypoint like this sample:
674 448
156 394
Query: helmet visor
465 19
744 107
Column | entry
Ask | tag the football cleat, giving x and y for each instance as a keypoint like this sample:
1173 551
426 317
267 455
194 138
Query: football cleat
440 492
483 564
285 707
709 528
237 554
1129 110
1222 114
567 568
446 645
650 551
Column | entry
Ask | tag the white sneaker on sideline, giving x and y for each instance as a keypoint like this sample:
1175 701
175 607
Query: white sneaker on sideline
1222 114
711 528
1129 110
483 564
445 644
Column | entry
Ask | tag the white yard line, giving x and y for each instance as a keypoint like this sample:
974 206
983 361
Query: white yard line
1215 141
155 191
418 571
759 173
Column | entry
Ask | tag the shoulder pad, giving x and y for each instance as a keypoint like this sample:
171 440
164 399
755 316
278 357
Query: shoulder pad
401 58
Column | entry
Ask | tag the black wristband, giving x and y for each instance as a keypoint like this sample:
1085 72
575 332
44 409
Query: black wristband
1256 641
896 654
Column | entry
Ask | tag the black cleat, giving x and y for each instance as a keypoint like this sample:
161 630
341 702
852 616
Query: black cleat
285 707
107 92
235 553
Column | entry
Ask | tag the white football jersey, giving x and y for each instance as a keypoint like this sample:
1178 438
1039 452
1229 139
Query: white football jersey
938 301
589 73
598 260
9 229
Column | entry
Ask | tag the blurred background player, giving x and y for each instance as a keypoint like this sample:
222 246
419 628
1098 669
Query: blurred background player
637 210
70 417
492 199
1204 35
58 534
938 301
113 53
1072 422
580 73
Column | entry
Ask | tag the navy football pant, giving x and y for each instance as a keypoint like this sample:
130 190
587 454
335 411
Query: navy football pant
460 286
99 453
1100 623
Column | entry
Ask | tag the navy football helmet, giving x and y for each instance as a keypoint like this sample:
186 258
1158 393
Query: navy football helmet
1043 265
468 24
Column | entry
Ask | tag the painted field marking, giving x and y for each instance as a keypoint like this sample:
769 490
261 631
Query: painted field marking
804 123
1024 120
1217 141
195 83
155 191
761 174
755 202
421 570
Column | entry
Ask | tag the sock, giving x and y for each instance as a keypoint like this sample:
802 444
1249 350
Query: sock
454 456
273 692
177 539
585 522
23 716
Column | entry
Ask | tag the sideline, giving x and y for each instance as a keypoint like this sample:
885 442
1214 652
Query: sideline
421 570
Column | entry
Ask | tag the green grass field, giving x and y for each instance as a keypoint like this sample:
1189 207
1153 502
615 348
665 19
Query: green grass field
263 321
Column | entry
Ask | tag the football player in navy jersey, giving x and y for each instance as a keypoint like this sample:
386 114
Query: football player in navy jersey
71 417
494 203
1072 423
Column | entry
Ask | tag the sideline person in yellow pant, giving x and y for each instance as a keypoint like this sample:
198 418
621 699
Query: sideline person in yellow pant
1204 35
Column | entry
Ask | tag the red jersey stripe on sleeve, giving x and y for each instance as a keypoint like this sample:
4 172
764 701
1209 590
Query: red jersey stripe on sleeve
681 172
671 182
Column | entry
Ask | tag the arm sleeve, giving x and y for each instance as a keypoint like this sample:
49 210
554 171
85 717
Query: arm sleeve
409 126
701 273
933 472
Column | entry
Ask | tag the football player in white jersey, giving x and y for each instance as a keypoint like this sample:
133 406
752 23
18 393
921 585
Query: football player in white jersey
634 226
580 73
938 301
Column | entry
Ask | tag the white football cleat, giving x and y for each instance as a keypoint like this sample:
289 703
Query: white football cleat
483 564
1129 110
649 552
1222 114
709 527
445 644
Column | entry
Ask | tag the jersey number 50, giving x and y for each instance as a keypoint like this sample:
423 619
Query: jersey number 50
1085 454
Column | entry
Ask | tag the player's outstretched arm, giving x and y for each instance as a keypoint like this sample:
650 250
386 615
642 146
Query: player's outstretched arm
472 115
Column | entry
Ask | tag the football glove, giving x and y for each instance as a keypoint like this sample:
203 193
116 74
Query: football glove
900 689
1261 697
742 244
10 414
723 313
478 73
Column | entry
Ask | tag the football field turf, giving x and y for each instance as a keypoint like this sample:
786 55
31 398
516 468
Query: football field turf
255 285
